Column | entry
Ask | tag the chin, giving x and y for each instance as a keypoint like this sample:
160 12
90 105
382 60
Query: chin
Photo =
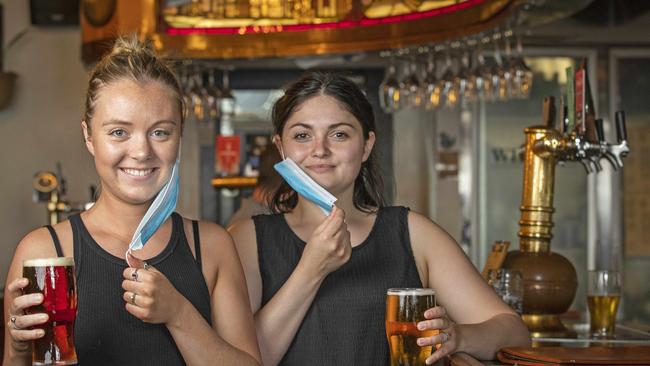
138 198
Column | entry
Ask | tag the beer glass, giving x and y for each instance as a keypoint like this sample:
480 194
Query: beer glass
54 278
405 307
603 296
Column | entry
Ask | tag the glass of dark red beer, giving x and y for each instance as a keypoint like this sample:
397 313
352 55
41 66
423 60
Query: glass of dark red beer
55 279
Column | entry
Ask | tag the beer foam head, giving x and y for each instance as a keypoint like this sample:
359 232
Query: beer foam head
49 262
411 291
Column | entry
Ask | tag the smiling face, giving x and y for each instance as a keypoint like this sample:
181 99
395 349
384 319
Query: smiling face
327 142
134 138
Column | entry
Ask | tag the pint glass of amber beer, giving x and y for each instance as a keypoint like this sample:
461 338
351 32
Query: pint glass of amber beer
55 279
603 296
405 307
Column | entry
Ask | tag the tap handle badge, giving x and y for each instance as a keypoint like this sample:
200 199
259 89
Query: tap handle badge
621 131
600 130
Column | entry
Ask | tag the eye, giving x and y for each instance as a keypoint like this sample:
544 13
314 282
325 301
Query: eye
340 135
160 133
300 136
118 132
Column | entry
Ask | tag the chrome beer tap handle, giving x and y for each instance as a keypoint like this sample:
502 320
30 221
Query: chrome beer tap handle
595 160
585 164
616 153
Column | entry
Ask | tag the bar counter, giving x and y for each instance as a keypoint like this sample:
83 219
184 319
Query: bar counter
629 339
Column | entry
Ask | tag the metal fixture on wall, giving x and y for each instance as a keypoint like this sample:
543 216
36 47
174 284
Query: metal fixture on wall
51 188
7 79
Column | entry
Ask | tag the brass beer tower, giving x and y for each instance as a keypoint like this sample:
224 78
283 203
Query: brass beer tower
549 278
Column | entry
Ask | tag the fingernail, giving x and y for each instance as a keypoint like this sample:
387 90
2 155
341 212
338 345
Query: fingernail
421 326
40 333
428 361
420 342
43 317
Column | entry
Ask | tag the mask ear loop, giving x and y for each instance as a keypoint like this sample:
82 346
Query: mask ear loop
278 144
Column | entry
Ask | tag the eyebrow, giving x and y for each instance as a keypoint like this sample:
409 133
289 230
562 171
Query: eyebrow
334 125
119 122
116 122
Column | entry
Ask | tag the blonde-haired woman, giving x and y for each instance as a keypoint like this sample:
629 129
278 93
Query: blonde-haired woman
190 306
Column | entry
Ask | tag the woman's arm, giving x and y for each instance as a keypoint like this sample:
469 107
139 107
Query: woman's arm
231 340
278 321
481 323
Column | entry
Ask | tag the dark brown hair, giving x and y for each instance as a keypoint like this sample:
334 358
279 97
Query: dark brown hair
368 186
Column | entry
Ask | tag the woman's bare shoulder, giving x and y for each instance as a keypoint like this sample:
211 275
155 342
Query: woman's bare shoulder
39 243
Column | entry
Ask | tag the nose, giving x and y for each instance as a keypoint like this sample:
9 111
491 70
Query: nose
320 147
141 148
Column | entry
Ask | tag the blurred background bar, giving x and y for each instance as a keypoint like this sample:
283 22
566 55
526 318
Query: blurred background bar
454 84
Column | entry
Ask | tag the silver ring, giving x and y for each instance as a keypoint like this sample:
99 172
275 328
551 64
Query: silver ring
132 298
447 336
12 319
146 266
134 275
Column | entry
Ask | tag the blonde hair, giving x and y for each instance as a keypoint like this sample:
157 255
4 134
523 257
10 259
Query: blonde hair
135 60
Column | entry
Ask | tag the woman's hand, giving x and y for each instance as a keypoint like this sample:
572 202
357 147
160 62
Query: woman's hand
149 295
329 246
446 341
19 324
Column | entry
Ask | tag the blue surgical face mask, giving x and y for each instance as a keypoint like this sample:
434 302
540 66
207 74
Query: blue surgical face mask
161 208
304 185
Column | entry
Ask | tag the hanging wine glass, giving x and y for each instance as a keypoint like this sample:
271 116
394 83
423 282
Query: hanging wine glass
485 76
430 85
522 75
474 88
500 79
450 91
227 101
214 94
410 85
185 89
389 94
461 81
197 96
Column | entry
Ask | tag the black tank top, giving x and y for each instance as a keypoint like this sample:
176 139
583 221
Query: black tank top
104 332
345 323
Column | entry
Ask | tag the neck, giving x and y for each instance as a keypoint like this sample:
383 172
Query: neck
123 217
308 212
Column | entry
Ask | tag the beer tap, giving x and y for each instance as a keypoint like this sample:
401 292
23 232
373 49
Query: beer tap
572 146
550 280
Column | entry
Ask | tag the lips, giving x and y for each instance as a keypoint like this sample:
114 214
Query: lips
138 172
319 168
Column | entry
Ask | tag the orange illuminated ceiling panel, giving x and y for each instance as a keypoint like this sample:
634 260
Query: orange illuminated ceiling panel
265 16
226 29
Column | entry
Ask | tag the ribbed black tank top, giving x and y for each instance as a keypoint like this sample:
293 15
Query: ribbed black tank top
345 323
105 333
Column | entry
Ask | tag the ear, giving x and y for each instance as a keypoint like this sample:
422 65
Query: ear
278 144
368 145
87 138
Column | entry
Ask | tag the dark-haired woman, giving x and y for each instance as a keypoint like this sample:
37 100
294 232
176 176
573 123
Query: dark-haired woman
318 284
